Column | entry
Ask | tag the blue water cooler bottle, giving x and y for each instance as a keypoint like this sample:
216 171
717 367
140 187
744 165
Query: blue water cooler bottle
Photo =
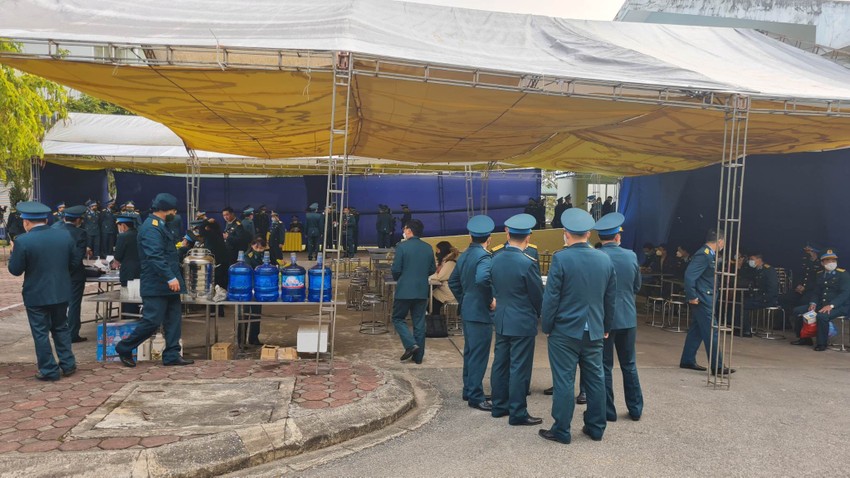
292 282
266 281
240 280
316 287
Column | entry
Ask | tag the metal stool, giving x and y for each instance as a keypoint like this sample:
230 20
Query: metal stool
655 302
356 289
674 307
843 346
453 321
764 323
372 325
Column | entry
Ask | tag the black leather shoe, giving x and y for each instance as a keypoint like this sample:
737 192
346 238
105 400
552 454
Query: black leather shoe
802 342
409 353
46 378
127 360
77 340
500 414
726 371
587 432
549 391
820 348
181 361
484 406
486 397
635 418
547 434
529 420
611 419
70 371
581 399
693 366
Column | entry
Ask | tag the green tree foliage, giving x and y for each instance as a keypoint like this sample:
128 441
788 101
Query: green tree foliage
28 104
89 104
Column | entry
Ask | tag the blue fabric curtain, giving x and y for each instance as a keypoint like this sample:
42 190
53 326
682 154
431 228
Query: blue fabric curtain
72 186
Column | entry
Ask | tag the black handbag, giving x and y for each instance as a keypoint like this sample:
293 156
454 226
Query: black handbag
436 327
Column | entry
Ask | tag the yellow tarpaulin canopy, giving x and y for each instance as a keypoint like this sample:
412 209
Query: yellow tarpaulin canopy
282 114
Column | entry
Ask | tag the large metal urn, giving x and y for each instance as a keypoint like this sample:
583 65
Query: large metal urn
198 270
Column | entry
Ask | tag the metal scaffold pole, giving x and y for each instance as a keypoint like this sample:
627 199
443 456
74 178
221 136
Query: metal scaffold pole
729 209
336 191
193 184
485 185
470 201
35 171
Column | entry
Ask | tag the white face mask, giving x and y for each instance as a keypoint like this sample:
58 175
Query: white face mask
830 266
658 253
752 264
678 254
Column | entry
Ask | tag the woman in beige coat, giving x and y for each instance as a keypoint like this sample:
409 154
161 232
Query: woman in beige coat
446 261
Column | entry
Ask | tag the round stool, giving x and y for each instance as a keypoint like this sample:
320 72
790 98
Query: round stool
373 324
453 321
354 298
765 317
655 302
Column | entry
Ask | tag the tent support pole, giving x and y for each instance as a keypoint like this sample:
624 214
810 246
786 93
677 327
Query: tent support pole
485 185
193 184
470 202
729 220
336 192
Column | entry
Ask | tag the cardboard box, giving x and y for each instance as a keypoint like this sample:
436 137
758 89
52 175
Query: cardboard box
287 353
269 352
307 339
115 332
223 351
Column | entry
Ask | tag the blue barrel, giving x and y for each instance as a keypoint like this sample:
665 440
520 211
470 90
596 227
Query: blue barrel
292 282
316 287
266 281
240 280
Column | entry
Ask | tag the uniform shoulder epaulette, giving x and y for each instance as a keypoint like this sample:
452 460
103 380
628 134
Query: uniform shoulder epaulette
238 223
526 255
767 266
497 247
532 245
707 251
155 222
839 269
819 272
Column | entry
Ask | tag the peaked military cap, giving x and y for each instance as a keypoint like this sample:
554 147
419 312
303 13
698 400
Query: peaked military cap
75 212
33 210
314 206
577 220
610 224
124 219
164 202
248 210
830 253
520 224
61 204
480 226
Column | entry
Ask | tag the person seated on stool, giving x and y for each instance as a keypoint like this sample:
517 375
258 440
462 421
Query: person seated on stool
765 285
830 298
446 261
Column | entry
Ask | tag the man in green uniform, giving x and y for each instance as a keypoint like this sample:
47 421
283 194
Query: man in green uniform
829 298
518 291
470 284
384 226
413 263
578 309
314 227
127 256
161 285
45 256
72 221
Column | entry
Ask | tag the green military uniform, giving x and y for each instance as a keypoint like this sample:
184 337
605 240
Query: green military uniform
91 224
412 265
161 305
384 226
531 251
350 226
830 288
699 284
78 273
45 256
237 239
314 227
518 290
470 284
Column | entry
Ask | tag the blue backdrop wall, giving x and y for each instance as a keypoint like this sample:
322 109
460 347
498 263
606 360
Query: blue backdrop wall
789 200
71 186
438 200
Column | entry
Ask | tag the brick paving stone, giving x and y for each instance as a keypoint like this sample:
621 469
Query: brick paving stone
34 424
58 386
344 387
339 403
10 425
48 413
298 400
314 404
19 435
79 445
367 386
119 443
344 395
80 412
314 395
9 414
52 434
266 375
46 395
67 422
77 394
92 402
39 446
368 378
150 442
64 403
314 386
30 405
6 447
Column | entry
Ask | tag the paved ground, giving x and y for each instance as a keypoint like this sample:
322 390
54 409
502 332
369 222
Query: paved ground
785 414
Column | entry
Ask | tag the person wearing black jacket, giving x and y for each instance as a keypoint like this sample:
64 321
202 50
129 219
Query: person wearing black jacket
127 256
71 223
